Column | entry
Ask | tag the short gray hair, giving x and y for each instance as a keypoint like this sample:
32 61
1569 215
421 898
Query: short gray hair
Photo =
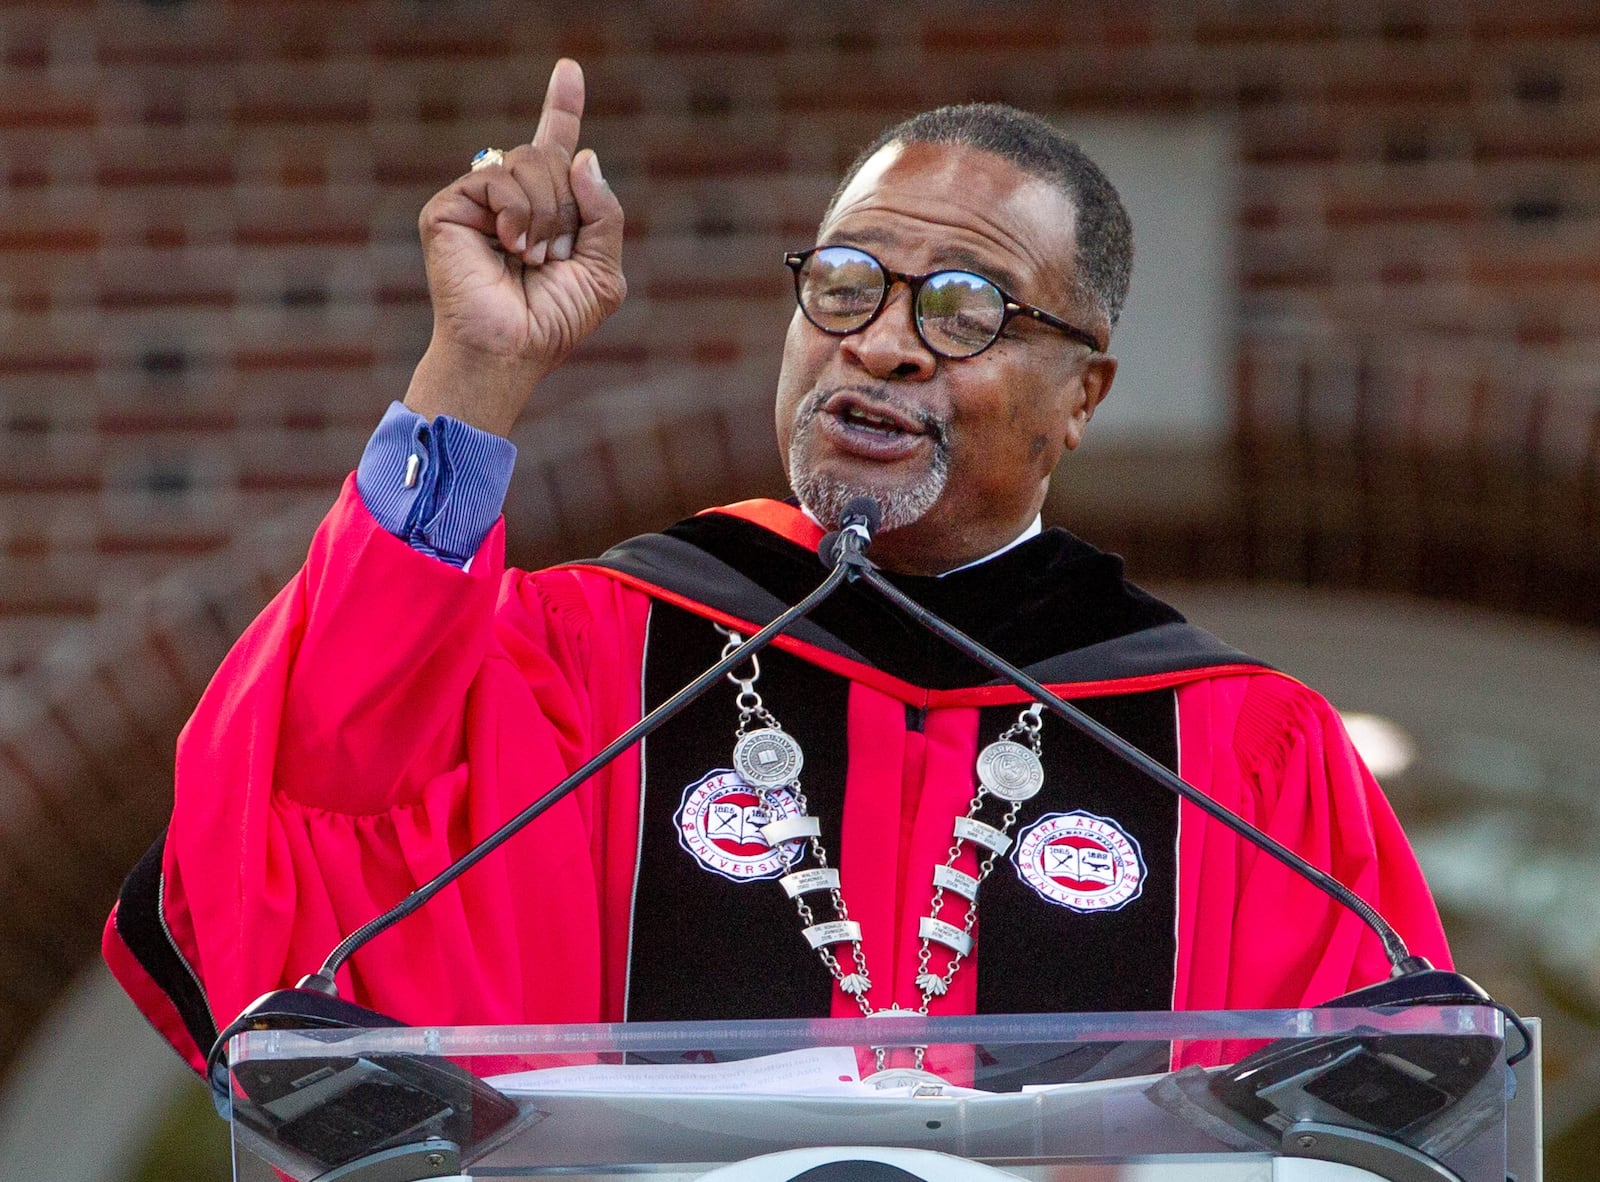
1104 263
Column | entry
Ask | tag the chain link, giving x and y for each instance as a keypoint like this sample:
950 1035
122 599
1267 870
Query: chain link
751 708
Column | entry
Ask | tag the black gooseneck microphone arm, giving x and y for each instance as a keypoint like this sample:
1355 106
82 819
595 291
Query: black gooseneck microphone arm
1400 958
323 978
1413 980
300 1006
844 551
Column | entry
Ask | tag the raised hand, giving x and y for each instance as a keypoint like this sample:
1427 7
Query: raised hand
524 260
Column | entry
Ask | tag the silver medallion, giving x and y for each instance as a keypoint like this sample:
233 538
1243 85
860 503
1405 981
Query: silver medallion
767 758
1009 770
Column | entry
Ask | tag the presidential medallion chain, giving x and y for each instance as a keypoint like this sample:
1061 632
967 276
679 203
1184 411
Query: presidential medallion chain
769 760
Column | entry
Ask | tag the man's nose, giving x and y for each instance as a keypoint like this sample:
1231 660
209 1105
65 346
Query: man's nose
889 347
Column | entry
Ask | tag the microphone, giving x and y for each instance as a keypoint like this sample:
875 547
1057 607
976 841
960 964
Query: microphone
1353 1076
453 1110
848 544
315 1000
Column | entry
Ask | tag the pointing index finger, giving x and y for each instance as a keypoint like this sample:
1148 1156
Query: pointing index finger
563 108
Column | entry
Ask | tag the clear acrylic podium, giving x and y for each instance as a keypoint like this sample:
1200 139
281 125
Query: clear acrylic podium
1332 1095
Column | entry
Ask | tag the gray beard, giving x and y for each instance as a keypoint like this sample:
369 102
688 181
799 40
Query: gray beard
826 497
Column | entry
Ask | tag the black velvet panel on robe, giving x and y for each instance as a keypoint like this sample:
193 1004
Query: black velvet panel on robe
707 947
1053 594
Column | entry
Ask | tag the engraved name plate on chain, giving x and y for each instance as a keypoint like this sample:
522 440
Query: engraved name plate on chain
1010 770
950 879
978 833
839 931
803 882
769 761
789 829
944 933
767 758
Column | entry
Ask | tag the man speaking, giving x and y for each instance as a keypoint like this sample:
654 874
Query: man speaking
863 820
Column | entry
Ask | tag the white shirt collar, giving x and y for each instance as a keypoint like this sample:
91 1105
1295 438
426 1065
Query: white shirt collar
1033 531
1035 528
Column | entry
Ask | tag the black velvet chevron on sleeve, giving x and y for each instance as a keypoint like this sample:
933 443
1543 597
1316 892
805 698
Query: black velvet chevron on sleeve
143 931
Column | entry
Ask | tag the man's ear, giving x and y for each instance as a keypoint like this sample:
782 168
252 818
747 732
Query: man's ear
1099 371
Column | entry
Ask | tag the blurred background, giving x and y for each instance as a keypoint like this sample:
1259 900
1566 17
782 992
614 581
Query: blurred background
1356 431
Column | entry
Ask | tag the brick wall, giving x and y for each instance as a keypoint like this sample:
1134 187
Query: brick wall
208 274
210 287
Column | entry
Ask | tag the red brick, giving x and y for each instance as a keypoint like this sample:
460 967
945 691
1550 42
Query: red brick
1261 217
425 175
27 176
165 237
716 351
176 545
309 233
1536 140
1567 269
1291 278
436 44
299 112
62 239
403 294
1269 27
718 37
33 106
303 359
191 173
1401 273
46 363
56 606
124 300
1399 88
1310 148
163 419
1511 23
1090 93
732 287
26 49
703 159
1034 28
598 350
169 52
1401 211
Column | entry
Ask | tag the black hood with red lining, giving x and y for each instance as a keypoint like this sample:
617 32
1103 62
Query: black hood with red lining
1055 605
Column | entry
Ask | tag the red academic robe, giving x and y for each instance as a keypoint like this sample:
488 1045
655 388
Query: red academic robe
387 710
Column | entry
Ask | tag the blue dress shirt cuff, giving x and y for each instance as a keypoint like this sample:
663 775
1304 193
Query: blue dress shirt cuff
438 486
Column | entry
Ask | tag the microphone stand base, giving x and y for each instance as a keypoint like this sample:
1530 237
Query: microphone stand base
1365 1151
432 1158
1423 987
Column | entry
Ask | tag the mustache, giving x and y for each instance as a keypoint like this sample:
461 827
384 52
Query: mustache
936 427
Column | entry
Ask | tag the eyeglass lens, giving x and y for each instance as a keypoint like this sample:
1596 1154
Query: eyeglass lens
957 313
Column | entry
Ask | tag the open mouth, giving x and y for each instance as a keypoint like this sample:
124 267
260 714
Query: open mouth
853 410
865 420
874 427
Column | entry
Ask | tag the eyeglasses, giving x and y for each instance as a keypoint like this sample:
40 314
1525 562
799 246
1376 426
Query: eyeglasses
957 314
